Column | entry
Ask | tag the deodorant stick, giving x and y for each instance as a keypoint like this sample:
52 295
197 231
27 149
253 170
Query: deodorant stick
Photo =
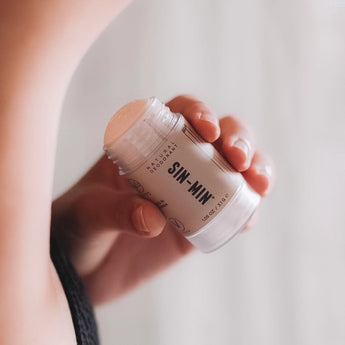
167 162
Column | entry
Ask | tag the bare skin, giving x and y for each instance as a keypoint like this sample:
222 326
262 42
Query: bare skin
99 220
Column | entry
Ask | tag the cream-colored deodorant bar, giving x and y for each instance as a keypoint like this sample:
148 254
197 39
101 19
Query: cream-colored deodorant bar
167 162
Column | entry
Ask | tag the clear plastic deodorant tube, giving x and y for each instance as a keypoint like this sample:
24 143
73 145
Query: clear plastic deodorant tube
167 162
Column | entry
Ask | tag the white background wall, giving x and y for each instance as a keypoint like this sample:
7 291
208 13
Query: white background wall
280 65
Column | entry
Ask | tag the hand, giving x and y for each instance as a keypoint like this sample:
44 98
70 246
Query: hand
114 238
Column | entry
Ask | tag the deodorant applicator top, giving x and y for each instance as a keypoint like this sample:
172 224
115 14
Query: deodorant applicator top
135 130
124 119
167 162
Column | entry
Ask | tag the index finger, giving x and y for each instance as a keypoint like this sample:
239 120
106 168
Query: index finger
201 117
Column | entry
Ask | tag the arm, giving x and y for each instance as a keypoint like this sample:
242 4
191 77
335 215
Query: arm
41 43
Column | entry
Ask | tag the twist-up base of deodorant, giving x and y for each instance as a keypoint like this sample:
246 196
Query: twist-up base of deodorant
228 223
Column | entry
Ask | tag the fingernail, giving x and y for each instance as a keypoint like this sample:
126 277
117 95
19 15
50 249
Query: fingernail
139 220
242 145
265 170
209 117
264 176
149 220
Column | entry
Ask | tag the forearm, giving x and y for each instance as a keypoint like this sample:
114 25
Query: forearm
41 43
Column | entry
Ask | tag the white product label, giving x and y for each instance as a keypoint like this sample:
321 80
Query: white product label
187 179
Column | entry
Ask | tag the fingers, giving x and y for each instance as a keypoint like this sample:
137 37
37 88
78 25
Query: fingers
147 219
261 173
236 143
202 118
102 209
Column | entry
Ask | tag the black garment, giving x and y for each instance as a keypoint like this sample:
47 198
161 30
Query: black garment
82 312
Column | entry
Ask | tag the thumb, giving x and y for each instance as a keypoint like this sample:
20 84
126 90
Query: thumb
88 220
100 208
